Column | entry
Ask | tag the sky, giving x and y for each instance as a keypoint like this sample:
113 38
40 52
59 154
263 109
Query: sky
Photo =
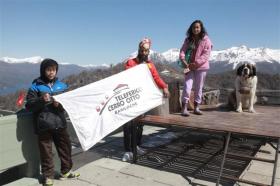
107 31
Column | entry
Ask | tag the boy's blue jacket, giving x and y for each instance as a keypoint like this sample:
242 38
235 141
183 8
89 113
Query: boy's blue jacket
45 115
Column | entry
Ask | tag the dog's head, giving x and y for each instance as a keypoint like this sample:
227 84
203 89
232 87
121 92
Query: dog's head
247 70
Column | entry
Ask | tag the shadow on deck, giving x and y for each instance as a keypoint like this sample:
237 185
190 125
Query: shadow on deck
194 154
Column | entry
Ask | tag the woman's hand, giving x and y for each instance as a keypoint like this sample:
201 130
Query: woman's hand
166 93
192 66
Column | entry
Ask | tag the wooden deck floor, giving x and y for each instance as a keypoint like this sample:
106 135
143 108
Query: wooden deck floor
266 122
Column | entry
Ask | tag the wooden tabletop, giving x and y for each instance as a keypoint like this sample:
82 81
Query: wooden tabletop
265 122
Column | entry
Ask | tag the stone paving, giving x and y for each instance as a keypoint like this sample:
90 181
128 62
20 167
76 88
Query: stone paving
102 166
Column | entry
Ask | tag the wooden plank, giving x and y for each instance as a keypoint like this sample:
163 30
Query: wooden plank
239 156
265 122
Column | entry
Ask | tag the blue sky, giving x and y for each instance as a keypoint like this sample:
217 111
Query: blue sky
106 31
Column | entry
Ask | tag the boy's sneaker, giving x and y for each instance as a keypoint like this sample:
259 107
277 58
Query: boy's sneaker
69 175
128 156
48 182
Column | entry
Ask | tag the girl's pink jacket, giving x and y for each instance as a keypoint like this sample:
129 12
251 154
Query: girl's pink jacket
202 53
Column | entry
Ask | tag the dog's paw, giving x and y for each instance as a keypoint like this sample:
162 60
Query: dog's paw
251 110
239 110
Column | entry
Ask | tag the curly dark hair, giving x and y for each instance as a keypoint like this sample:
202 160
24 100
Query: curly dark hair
190 33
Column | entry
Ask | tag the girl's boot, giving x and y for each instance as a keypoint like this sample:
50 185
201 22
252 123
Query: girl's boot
185 111
197 111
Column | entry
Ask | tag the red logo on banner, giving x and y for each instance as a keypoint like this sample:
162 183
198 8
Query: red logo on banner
98 109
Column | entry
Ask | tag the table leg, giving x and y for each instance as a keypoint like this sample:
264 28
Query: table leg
275 163
224 159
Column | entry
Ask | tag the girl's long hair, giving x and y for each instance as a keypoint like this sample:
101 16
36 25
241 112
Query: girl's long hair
190 33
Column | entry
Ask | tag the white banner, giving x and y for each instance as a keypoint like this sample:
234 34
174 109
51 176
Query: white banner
99 108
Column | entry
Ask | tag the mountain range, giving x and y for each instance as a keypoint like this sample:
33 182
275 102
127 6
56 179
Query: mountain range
18 73
266 60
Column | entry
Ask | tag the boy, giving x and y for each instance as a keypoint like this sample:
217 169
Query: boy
50 122
142 57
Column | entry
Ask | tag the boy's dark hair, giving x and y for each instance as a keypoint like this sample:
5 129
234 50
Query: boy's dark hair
190 33
45 64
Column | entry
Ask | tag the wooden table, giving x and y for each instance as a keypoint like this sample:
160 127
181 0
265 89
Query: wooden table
264 123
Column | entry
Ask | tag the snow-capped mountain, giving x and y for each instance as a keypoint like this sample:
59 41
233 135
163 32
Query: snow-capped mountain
243 53
95 66
267 60
171 55
39 59
19 73
157 57
34 60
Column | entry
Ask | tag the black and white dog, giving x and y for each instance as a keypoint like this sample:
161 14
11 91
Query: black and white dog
244 96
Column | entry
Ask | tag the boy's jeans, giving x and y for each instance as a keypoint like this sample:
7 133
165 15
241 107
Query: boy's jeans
62 143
